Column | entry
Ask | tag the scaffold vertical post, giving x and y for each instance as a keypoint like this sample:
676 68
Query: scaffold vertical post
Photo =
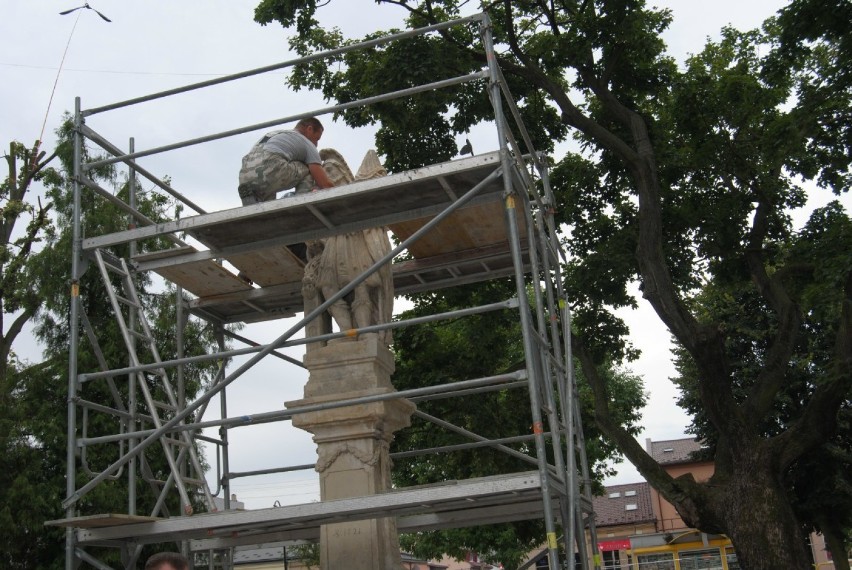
131 321
574 442
223 430
74 334
523 308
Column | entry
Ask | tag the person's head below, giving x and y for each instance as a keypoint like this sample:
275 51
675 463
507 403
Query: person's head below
311 128
167 561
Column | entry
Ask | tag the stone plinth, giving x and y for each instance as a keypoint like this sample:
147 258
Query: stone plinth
352 445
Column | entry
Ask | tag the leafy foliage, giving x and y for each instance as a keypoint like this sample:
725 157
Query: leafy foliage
473 347
686 187
815 265
35 396
29 485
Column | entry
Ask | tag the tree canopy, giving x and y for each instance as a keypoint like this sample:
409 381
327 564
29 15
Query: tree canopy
33 424
464 348
686 185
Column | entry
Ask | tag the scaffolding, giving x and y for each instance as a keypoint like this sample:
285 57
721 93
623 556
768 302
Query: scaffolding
465 221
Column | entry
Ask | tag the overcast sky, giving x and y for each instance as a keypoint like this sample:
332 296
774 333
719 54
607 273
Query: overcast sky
153 45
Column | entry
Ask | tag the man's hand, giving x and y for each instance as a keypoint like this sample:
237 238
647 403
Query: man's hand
320 176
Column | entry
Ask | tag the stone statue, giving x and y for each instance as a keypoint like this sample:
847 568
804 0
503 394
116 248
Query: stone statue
335 261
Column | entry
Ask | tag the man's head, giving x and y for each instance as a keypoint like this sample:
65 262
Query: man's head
167 561
311 128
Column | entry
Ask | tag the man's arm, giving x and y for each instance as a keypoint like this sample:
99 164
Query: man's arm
319 175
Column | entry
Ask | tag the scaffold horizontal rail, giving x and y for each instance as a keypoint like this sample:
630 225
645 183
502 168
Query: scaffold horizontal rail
357 206
501 497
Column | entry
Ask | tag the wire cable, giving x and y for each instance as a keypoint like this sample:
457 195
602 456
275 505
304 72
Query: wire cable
55 83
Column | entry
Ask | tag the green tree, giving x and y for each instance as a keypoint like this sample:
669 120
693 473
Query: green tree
21 500
307 553
817 482
18 302
689 177
464 348
32 460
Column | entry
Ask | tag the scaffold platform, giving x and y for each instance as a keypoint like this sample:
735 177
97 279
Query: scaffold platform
468 246
485 500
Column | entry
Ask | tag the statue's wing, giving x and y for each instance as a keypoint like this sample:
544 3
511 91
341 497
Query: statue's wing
370 167
335 166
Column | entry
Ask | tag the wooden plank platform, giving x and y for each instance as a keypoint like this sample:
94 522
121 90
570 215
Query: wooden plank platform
102 521
470 245
469 502
268 267
201 278
360 205
469 228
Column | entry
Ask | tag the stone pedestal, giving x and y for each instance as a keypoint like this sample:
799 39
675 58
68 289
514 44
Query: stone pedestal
352 445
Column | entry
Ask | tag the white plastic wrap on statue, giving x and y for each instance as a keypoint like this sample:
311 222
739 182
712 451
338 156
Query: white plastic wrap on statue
335 261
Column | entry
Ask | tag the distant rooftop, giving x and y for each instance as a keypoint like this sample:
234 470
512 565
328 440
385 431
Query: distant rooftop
672 450
259 554
624 504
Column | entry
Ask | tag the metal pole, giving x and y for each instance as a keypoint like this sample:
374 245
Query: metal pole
571 405
277 66
508 304
86 557
115 151
118 203
223 430
470 434
131 322
550 365
318 112
74 339
565 379
173 424
180 323
526 324
510 378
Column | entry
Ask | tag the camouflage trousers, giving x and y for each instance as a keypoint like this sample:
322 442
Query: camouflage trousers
264 174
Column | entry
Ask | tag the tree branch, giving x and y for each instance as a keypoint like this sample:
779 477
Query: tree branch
550 16
819 420
682 492
704 342
9 337
771 377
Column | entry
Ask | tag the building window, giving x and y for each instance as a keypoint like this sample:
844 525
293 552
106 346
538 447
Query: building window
629 493
631 507
614 495
612 560
710 559
662 561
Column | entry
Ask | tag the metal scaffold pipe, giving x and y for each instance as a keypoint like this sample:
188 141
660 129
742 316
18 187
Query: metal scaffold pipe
267 417
284 64
274 123
508 304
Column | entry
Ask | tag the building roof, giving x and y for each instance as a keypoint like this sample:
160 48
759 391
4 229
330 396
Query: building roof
259 554
624 504
673 450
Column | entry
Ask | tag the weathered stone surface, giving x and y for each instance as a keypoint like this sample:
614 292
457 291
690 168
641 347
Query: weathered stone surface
336 261
352 446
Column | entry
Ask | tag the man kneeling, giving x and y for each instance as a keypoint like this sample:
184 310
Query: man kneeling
282 160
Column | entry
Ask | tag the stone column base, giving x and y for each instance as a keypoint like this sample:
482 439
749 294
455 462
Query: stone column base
352 446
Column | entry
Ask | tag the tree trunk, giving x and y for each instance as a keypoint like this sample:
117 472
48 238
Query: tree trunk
837 548
759 520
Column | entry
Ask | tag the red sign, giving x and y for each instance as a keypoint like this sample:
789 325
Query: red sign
621 544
